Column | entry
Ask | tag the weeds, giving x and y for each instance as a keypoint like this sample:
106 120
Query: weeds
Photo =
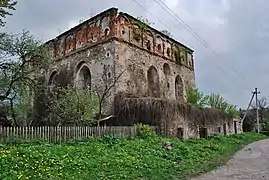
113 158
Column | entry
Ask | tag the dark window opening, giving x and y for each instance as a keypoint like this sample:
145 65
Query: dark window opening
219 129
168 51
106 31
84 78
180 133
203 132
235 127
224 129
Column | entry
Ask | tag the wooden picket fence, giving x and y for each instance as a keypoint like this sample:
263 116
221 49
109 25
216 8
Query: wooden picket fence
15 135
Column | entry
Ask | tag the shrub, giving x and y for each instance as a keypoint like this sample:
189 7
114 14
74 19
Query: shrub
68 105
110 140
144 131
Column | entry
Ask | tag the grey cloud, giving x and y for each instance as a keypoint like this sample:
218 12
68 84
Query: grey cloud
45 18
241 42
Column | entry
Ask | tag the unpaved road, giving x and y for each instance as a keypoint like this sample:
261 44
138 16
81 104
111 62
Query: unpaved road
252 162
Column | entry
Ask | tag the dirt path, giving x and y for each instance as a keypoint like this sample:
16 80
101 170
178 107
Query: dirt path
250 163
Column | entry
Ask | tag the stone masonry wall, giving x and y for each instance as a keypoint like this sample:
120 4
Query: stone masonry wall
154 64
137 62
173 128
98 60
83 55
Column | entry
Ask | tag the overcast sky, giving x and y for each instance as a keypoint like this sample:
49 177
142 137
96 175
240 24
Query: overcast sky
237 30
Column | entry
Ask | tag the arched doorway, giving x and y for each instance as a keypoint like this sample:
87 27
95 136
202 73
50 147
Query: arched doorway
83 77
179 88
153 82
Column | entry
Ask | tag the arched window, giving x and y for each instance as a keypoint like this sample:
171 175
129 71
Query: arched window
167 73
177 55
179 88
153 82
83 77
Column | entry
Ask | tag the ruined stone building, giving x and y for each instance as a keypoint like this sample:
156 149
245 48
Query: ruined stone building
114 46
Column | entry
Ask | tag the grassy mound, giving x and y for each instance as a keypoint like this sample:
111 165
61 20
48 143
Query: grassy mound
112 158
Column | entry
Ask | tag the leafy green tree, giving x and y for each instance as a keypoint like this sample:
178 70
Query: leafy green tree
199 99
5 7
21 57
232 110
145 21
196 98
249 123
216 101
71 106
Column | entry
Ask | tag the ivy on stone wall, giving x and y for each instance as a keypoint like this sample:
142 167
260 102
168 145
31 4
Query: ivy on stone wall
143 23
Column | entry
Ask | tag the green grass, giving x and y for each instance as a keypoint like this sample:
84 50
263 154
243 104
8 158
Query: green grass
112 158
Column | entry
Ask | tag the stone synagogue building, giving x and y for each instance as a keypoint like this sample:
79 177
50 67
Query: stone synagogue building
148 70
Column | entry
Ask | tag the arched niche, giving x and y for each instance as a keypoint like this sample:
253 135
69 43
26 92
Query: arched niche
179 88
167 74
177 55
52 83
168 49
52 78
148 40
166 70
153 82
136 33
83 76
159 44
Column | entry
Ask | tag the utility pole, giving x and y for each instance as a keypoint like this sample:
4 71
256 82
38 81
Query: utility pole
248 106
257 108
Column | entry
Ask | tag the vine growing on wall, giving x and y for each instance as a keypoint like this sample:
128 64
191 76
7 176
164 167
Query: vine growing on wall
142 27
144 23
166 32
